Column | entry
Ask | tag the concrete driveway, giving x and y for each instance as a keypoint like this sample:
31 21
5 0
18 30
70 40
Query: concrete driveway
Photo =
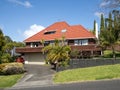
37 75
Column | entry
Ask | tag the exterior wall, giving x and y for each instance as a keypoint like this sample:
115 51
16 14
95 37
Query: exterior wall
70 42
90 41
34 57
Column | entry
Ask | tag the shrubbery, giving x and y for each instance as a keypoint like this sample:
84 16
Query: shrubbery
109 54
11 68
6 58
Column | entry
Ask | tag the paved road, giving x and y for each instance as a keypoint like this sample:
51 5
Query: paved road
37 75
95 85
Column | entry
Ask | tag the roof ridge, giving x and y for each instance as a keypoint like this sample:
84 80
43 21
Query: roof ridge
58 23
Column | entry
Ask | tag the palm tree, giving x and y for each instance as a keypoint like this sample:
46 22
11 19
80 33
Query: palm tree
42 42
57 54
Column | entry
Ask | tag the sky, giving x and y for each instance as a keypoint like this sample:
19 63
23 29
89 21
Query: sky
20 19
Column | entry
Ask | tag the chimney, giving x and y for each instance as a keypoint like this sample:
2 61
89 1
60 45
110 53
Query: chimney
96 30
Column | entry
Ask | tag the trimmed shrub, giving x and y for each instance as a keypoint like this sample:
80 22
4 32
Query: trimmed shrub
2 66
11 68
108 54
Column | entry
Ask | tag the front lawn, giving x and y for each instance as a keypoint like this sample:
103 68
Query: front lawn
88 74
9 80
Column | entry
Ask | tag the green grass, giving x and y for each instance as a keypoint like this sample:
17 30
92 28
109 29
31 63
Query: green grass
9 80
88 74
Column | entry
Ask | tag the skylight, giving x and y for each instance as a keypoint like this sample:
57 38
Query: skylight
64 30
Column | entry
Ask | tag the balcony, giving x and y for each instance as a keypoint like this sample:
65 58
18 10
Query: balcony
86 47
28 49
39 49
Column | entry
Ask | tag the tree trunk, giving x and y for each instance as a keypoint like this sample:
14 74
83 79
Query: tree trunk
114 56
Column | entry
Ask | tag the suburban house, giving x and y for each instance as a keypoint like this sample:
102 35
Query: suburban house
76 36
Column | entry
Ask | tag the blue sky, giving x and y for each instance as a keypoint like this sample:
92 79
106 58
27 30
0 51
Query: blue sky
21 18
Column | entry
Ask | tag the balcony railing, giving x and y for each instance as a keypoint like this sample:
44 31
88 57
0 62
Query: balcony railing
39 49
86 47
29 49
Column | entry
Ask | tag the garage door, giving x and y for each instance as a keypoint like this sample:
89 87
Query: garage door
34 57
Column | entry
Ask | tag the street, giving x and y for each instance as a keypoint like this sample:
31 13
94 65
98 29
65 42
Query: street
91 85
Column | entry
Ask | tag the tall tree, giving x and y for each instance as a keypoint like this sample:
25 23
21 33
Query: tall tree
102 29
110 22
2 43
108 39
8 39
110 36
102 23
116 15
94 27
115 23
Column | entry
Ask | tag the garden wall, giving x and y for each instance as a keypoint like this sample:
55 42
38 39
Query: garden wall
81 63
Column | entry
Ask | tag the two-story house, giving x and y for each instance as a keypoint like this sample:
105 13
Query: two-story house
76 36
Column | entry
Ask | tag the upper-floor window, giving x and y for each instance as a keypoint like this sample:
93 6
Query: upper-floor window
85 42
81 42
76 42
34 44
49 32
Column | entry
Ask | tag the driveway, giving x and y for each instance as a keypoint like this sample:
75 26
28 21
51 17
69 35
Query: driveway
37 75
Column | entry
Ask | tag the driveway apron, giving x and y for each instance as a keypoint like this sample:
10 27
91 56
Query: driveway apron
37 75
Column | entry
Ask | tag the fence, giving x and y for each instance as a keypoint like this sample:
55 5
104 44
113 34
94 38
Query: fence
80 63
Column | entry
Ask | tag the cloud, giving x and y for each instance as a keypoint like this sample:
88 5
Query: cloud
26 4
104 3
33 29
98 14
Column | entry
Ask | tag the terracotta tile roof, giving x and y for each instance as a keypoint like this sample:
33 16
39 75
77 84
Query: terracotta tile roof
60 29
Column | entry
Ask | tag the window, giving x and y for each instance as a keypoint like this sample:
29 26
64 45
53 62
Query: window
76 42
85 42
51 42
49 32
31 45
34 44
46 43
81 42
